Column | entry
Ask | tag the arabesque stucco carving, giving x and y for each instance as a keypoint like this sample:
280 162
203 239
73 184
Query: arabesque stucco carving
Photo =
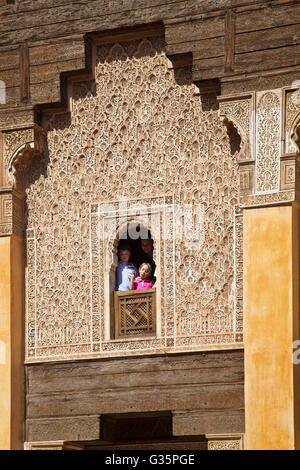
132 133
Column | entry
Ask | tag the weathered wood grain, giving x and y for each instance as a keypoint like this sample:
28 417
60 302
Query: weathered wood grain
11 77
250 62
15 117
128 34
24 73
267 59
12 95
195 30
269 16
28 5
55 34
229 40
51 71
207 48
4 3
99 15
9 58
138 400
208 422
65 49
203 382
77 428
202 5
266 38
50 92
205 69
205 368
143 378
258 82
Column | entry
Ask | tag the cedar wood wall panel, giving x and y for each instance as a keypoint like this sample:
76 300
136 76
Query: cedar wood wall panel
49 29
208 387
97 15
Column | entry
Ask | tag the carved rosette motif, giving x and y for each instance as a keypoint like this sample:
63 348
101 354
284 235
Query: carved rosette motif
135 134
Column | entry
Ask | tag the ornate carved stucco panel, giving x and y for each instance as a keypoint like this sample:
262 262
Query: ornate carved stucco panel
133 133
237 113
11 212
291 141
291 120
20 148
112 220
269 175
225 442
268 134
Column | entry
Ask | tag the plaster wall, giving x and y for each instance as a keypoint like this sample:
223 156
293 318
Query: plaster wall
268 279
5 341
11 344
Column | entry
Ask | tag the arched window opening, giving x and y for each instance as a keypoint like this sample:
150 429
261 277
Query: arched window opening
140 248
134 300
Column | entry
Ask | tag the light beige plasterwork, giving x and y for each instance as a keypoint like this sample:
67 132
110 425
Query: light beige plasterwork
11 212
133 133
267 172
21 147
224 442
296 135
155 214
239 112
268 134
44 445
292 121
18 150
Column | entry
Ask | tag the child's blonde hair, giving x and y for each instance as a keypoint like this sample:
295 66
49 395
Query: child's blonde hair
148 266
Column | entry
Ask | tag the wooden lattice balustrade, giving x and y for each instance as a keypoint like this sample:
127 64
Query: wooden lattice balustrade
135 312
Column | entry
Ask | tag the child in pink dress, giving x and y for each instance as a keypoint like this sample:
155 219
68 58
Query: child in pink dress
143 281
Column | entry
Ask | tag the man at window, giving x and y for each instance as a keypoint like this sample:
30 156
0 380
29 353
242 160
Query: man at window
147 254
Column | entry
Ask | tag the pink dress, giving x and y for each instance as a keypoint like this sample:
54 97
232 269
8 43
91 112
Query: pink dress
142 284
